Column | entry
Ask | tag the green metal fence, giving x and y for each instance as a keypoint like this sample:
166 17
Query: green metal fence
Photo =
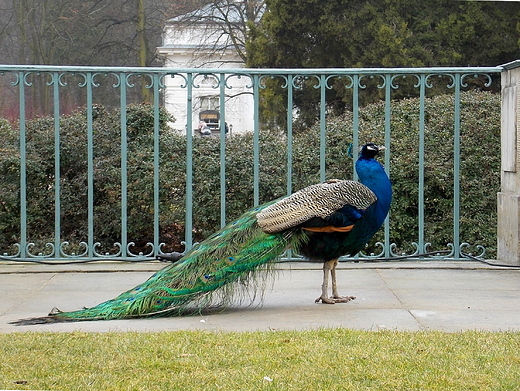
18 84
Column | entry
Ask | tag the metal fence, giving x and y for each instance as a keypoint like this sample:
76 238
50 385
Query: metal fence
18 84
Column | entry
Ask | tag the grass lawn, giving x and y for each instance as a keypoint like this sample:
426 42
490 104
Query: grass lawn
337 359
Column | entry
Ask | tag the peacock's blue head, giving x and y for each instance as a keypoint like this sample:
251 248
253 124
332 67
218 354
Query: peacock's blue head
370 150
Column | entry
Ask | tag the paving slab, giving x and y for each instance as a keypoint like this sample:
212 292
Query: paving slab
411 296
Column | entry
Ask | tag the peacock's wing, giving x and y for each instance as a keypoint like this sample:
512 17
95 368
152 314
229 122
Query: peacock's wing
334 202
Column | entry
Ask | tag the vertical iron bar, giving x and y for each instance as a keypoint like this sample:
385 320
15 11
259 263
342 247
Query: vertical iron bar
222 125
23 168
421 245
323 129
124 168
388 86
289 253
456 170
289 132
57 164
156 162
90 167
355 124
189 164
256 141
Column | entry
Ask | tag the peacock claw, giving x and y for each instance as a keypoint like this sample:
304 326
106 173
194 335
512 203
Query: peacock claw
343 299
334 300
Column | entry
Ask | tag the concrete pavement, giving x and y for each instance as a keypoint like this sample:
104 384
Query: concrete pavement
446 296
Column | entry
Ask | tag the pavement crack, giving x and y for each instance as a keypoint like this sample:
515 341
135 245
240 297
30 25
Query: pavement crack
31 294
403 306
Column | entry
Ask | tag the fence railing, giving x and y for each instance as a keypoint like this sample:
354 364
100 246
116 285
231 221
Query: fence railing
61 89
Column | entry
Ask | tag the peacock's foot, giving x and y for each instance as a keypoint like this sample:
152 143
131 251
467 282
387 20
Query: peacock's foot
334 300
343 299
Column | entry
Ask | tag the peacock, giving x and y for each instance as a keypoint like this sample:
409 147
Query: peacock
321 222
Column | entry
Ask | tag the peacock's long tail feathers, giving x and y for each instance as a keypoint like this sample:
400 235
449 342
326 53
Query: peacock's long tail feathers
214 266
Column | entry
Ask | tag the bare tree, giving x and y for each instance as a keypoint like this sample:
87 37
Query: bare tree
108 33
225 24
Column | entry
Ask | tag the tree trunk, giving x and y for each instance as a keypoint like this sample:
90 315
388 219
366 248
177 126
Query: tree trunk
143 47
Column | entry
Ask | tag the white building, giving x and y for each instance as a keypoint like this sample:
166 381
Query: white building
202 44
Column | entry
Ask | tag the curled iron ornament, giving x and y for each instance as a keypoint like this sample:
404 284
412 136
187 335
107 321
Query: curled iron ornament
363 86
304 78
73 255
347 86
84 83
261 80
142 75
395 86
18 252
107 255
393 246
40 255
17 80
132 244
373 255
479 247
25 75
206 76
439 75
184 77
450 254
60 80
54 76
160 81
476 76
238 76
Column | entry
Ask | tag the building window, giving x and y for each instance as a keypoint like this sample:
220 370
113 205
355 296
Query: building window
209 102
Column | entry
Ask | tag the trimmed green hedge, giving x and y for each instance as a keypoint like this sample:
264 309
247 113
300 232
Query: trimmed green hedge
480 173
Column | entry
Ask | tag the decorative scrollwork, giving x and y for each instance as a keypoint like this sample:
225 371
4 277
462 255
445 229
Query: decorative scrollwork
49 246
107 254
17 78
480 248
361 254
206 76
141 254
184 78
73 255
347 86
363 86
160 81
395 86
476 76
299 80
393 246
238 76
61 82
129 84
440 75
262 84
440 254
16 255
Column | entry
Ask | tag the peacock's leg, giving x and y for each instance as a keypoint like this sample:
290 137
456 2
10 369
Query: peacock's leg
335 295
327 267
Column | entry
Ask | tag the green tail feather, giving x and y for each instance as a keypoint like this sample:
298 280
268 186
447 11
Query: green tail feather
216 265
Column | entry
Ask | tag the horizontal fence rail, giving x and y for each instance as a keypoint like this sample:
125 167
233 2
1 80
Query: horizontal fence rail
41 103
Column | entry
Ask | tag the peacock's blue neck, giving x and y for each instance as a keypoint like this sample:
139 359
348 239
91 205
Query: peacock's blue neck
372 174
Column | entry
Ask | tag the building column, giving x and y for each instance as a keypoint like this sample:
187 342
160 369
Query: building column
508 229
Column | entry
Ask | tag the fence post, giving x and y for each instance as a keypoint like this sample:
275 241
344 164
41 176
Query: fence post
508 230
